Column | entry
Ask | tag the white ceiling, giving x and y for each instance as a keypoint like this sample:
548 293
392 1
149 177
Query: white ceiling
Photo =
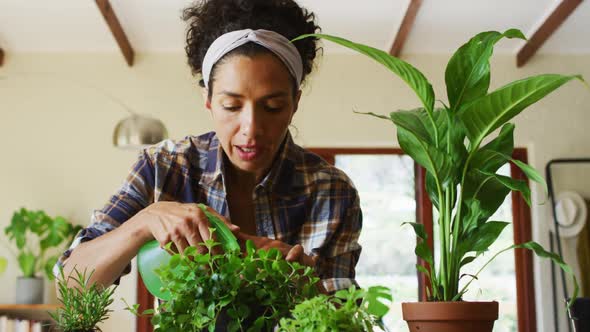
155 25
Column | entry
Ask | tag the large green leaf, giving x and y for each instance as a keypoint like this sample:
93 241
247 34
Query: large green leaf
416 141
481 238
488 113
38 221
490 157
58 230
18 227
482 196
412 76
468 72
377 300
422 250
472 215
48 267
417 122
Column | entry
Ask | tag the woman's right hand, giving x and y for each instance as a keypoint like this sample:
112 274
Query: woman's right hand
184 224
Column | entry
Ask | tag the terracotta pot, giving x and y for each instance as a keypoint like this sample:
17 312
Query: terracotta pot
450 316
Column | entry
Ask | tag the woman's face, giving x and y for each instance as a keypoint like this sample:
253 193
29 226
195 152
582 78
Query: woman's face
252 105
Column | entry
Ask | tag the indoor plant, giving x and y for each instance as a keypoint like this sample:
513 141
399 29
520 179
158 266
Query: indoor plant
253 289
84 305
461 170
35 233
347 310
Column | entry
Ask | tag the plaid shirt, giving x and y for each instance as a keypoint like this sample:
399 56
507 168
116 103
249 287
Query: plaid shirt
302 200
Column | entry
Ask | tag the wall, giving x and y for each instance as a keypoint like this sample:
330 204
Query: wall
57 114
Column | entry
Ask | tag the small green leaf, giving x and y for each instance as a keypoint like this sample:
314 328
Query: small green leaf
48 268
26 262
418 229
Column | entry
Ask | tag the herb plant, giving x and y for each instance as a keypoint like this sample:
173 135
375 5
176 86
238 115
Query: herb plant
49 232
341 312
461 170
253 290
84 305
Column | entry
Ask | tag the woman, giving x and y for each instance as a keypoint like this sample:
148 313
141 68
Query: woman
248 170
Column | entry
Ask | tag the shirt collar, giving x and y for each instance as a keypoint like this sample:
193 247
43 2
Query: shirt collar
279 178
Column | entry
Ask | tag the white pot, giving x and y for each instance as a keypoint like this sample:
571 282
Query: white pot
29 290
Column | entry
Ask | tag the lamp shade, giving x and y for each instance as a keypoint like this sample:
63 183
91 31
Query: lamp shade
137 131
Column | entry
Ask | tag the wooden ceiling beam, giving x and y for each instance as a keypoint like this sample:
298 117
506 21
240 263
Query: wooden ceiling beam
563 10
111 18
405 27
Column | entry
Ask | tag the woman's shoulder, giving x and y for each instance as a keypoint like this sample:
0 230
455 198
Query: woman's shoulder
318 172
188 147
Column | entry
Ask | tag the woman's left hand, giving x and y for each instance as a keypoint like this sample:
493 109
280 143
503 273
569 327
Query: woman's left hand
291 253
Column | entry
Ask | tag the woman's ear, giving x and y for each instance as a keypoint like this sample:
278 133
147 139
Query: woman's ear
297 98
207 101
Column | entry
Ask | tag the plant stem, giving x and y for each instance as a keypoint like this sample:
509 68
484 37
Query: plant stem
457 218
478 272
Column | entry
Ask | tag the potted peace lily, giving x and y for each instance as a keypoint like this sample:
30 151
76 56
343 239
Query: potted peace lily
461 170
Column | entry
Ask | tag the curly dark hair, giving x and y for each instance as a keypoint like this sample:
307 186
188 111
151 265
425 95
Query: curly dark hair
209 19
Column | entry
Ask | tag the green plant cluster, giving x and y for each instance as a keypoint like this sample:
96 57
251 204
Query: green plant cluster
254 290
84 305
456 146
341 312
35 233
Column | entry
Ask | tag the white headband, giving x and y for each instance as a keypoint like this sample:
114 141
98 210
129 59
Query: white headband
270 40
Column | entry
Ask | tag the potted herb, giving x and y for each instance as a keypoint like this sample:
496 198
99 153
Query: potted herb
347 310
84 305
35 233
246 291
461 170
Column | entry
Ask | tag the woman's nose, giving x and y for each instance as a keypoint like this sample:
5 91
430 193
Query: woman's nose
250 125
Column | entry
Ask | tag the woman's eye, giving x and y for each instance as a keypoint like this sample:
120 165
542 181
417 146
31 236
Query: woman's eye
273 109
230 107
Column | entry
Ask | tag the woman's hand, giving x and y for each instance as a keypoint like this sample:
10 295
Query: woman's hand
291 253
185 224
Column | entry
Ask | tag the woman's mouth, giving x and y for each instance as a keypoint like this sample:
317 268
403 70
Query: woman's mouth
248 153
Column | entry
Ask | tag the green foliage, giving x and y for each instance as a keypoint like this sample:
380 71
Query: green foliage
258 285
84 305
348 310
3 264
461 178
34 234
